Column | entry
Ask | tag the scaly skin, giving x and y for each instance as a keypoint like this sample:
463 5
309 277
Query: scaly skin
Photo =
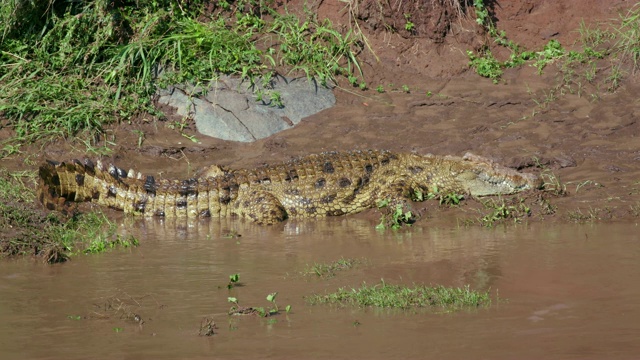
326 184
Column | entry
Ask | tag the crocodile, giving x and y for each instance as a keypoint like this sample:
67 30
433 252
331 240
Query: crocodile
324 184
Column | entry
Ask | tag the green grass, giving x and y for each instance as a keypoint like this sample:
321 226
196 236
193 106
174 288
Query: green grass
69 68
327 270
29 230
385 295
589 216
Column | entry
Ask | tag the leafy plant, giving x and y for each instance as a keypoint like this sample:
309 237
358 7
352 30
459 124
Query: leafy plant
551 52
409 26
482 13
394 219
451 199
233 280
236 309
500 211
485 65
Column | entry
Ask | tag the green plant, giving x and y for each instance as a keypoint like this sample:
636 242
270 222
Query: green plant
627 34
191 138
327 270
405 88
482 13
592 215
385 295
451 199
141 137
551 52
99 244
393 219
272 299
275 99
586 183
409 26
236 309
552 183
485 65
380 89
499 211
233 280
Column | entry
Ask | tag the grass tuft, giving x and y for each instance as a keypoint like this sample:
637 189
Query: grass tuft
328 270
385 295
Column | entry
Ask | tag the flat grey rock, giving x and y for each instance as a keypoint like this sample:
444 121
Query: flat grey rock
229 108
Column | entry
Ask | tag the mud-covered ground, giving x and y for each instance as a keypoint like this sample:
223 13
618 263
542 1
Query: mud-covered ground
585 142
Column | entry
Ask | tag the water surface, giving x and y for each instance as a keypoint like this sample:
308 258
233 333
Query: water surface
564 292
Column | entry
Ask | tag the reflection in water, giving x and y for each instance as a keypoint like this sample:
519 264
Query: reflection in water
573 288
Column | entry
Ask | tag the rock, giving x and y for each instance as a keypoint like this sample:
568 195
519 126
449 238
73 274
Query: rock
228 108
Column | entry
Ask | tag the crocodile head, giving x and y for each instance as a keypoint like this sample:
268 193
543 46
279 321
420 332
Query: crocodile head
482 177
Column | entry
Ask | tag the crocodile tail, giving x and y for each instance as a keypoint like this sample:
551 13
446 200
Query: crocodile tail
78 181
64 184
54 192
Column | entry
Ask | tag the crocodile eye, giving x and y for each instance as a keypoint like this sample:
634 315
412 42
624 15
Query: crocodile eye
467 175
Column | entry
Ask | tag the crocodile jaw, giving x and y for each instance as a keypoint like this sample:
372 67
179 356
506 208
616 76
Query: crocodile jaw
480 186
483 177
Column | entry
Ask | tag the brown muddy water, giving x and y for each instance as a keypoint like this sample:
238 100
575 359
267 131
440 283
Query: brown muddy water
566 292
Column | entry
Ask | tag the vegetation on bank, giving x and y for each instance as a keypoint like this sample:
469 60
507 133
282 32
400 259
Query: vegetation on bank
608 52
72 67
49 236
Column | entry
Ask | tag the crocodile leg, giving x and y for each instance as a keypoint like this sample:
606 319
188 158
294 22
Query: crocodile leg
259 206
